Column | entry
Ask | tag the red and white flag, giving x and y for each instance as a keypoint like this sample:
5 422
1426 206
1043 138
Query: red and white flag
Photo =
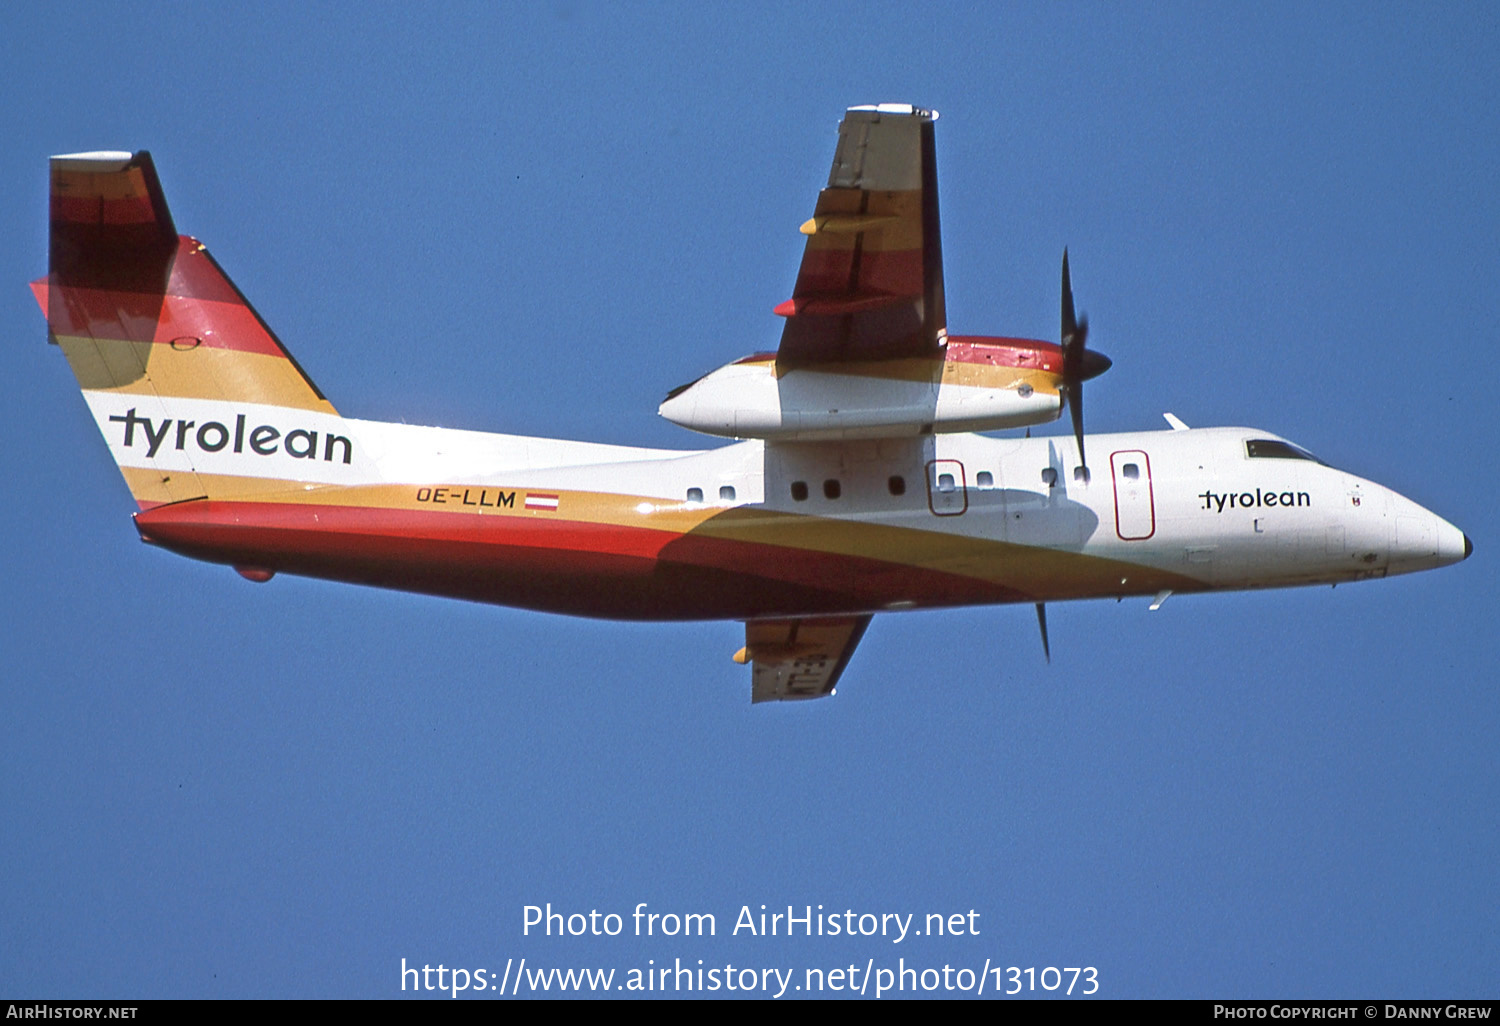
536 500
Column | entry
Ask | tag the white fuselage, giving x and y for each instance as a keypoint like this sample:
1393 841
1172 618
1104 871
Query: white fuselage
1191 503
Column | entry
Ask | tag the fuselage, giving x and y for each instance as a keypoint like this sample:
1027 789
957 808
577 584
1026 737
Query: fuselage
758 529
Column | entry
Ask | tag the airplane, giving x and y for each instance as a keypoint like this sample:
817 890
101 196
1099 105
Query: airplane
857 482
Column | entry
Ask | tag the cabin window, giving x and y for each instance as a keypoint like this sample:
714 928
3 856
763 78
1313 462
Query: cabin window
945 482
831 489
984 479
1131 471
799 490
695 495
1270 448
726 492
1049 475
897 484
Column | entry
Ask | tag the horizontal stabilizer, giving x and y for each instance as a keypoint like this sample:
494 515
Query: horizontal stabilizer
110 226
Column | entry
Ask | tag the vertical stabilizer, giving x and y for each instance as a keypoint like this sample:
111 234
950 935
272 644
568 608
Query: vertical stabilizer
154 330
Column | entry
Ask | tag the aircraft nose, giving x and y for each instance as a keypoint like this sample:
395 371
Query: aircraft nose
1453 545
1422 540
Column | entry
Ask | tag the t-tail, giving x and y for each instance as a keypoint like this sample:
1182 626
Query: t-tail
195 395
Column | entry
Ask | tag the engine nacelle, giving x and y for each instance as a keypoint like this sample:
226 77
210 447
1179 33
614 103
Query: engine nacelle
974 384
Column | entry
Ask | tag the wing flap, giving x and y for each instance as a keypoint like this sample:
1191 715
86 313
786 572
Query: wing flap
798 658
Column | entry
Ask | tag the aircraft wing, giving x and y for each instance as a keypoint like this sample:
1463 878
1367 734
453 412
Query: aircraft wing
871 282
799 657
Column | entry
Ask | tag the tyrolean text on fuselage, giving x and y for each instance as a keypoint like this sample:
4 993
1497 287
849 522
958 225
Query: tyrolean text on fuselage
1257 499
212 436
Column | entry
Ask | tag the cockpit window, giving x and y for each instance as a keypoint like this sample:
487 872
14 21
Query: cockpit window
1271 449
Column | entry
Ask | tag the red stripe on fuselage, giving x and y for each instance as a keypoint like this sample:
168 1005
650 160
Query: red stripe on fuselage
551 564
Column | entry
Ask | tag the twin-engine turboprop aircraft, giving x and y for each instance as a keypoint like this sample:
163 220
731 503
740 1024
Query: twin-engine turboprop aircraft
856 486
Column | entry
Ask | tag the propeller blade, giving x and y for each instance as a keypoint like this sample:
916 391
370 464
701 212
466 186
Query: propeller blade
1075 407
1069 320
1078 364
1041 619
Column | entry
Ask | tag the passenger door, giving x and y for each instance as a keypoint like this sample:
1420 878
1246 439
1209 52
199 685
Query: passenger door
1135 505
947 492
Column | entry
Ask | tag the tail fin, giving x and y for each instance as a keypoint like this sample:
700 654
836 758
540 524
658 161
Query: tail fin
158 336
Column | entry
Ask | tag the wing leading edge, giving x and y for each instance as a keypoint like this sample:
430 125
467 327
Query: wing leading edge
871 282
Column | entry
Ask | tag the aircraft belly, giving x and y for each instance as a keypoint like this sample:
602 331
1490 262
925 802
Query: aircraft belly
733 563
594 569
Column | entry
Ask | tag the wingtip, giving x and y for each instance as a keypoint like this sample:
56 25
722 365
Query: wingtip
908 109
93 160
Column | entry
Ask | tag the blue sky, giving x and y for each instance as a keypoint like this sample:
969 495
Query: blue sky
539 220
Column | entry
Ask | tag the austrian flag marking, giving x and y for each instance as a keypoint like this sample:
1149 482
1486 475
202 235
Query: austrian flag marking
537 500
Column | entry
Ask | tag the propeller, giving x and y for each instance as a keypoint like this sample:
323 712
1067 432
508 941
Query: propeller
1041 619
1079 363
